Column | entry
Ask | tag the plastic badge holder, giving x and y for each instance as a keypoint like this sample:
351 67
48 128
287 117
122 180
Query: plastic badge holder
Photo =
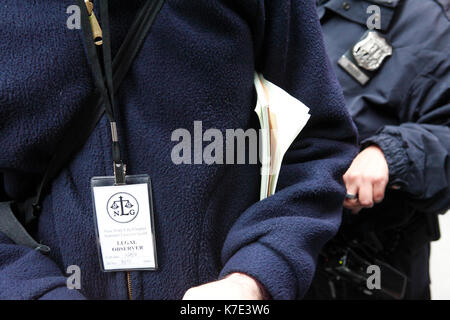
124 223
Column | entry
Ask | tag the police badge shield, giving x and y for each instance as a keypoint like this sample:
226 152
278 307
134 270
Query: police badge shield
371 51
366 56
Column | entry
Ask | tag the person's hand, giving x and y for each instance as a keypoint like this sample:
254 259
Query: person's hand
366 179
236 286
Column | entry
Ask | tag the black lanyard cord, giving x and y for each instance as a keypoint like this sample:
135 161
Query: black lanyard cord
80 129
107 61
99 55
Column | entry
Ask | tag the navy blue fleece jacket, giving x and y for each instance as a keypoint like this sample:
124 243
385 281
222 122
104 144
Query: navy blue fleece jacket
197 64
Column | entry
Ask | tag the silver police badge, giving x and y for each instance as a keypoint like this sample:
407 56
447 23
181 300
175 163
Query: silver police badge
370 52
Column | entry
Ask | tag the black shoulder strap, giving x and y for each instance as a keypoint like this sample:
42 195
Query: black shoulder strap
11 227
85 122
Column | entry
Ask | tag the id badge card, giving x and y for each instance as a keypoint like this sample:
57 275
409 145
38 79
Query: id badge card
123 216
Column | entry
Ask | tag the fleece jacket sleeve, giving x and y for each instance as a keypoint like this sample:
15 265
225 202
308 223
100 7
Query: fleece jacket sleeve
277 240
26 274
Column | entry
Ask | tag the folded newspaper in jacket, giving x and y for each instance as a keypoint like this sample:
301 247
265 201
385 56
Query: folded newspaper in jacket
281 117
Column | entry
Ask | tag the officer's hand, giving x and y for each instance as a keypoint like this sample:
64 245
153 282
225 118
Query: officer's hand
236 286
367 178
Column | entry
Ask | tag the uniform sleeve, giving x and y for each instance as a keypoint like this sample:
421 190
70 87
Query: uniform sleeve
26 274
417 151
277 240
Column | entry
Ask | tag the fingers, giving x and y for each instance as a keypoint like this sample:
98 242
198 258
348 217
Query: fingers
364 200
366 194
368 190
367 177
351 184
379 187
351 203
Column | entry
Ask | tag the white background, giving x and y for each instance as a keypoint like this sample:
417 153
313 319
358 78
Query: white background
440 262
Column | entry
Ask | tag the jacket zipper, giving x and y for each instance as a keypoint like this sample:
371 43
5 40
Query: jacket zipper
130 288
97 34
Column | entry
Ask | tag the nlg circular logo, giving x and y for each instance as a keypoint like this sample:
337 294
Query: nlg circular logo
122 207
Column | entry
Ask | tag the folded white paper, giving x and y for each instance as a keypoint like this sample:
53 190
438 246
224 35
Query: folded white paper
281 117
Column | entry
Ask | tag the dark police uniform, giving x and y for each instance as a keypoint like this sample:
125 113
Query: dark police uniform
396 83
